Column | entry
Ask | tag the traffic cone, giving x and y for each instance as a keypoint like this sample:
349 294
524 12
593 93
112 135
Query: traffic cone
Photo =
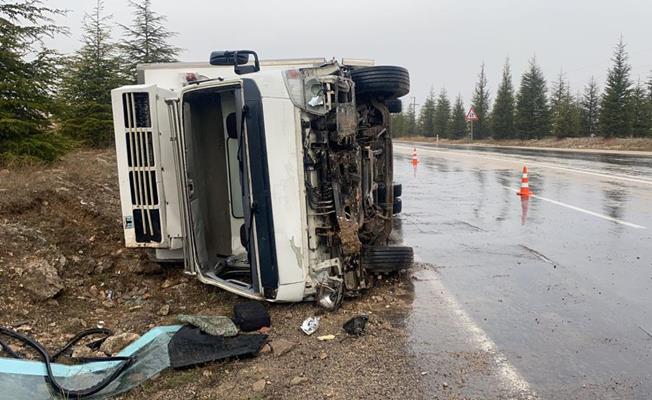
525 186
415 159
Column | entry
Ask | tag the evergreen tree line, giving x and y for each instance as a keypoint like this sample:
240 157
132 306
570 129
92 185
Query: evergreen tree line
49 102
622 109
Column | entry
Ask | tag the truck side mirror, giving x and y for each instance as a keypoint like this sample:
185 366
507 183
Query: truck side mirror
238 58
228 58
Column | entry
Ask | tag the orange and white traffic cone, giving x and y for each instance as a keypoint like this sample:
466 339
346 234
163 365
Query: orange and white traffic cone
415 159
525 185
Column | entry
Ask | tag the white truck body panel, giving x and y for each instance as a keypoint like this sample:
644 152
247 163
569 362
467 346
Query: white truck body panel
172 75
285 164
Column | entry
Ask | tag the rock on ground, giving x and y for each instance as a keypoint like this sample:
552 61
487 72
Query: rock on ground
164 310
138 266
282 346
259 385
298 380
86 352
41 279
115 343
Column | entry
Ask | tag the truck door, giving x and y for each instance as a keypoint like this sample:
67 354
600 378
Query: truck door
257 233
259 222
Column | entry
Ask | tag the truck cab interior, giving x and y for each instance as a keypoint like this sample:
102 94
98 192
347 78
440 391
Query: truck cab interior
214 186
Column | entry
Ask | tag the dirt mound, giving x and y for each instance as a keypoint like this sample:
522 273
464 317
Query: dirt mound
62 223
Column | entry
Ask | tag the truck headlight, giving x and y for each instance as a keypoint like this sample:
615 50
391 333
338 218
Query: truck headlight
294 83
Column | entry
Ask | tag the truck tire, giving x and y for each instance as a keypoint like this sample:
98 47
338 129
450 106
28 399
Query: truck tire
383 82
398 190
397 206
384 259
394 106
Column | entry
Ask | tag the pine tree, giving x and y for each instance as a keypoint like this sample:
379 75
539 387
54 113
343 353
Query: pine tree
442 115
89 77
575 116
411 120
532 113
564 111
615 116
427 115
641 111
398 124
502 120
590 108
28 74
146 39
457 124
557 95
481 104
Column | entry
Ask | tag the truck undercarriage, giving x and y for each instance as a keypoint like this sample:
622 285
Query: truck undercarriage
349 186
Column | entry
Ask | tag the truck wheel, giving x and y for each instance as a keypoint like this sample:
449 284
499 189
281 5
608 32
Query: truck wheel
398 190
397 206
384 259
394 106
385 82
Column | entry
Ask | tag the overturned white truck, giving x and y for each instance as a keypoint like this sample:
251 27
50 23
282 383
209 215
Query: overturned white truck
271 179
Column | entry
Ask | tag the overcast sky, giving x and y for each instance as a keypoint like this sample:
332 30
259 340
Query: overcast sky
441 42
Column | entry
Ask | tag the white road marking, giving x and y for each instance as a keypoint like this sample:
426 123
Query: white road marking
507 372
533 163
595 214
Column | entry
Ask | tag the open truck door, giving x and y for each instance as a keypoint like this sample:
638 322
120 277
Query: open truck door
221 164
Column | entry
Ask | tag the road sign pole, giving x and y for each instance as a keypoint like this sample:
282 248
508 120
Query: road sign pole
470 117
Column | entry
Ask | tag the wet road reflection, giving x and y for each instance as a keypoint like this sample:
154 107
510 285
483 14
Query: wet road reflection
524 207
560 291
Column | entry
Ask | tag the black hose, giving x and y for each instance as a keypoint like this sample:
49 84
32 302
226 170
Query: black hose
68 393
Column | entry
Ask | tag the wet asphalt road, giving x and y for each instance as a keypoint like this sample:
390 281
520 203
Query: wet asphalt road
549 298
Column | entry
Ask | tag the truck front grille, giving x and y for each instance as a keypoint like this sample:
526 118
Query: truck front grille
142 167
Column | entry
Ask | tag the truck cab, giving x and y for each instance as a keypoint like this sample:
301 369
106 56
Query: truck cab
272 180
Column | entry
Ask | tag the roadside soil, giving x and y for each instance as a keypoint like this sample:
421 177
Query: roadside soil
68 217
597 143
